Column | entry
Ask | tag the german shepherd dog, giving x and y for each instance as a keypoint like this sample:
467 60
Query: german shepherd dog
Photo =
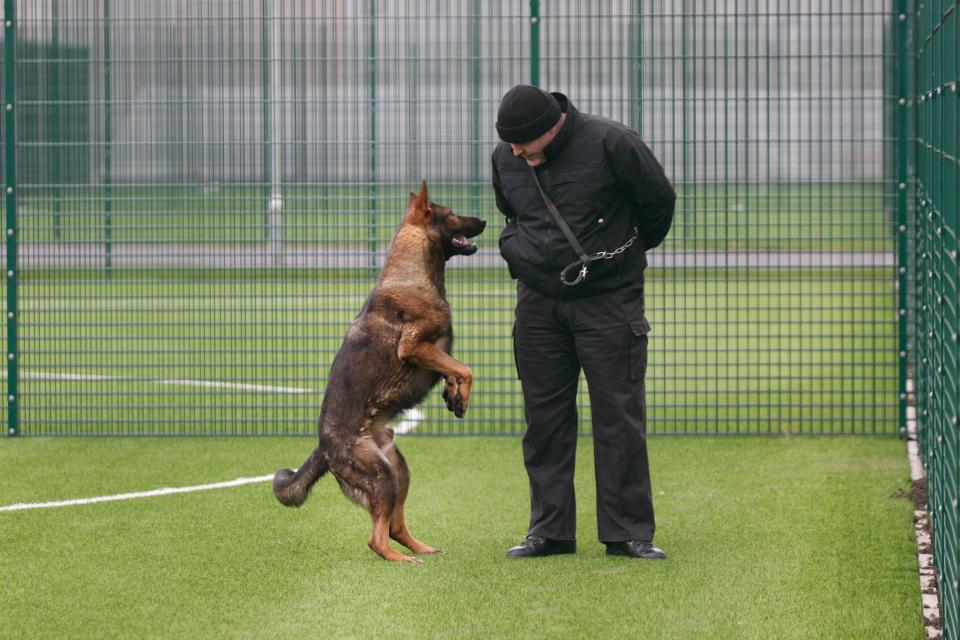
396 350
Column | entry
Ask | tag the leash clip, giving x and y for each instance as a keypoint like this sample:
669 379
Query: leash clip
581 275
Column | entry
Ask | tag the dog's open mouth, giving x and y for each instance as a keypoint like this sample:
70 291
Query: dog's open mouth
462 242
459 241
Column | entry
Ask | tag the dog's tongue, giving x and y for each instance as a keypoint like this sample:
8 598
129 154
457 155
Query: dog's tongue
461 240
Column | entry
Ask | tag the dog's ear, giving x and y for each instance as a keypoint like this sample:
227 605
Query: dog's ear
420 201
423 200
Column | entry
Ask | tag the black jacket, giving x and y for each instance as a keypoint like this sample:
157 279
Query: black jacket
605 181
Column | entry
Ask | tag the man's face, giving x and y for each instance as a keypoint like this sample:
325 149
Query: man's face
532 151
533 147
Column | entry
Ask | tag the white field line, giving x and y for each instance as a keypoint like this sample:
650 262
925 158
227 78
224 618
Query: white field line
212 384
409 422
136 495
173 302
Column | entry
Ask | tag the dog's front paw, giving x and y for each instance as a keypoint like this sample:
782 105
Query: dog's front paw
457 406
454 397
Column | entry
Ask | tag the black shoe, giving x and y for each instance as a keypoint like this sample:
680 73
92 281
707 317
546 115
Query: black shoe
537 546
636 549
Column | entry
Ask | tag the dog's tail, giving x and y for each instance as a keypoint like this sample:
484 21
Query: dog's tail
292 487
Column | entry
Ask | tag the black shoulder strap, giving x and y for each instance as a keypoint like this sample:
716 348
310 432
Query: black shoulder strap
572 239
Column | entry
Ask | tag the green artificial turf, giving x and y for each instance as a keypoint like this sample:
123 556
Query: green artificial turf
780 537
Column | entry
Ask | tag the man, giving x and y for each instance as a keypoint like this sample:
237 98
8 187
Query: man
612 193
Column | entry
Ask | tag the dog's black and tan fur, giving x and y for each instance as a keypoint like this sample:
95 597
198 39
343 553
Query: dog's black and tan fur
396 350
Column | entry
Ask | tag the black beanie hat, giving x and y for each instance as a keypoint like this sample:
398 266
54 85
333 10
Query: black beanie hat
526 113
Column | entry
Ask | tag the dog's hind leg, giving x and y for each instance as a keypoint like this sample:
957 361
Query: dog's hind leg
372 482
380 537
398 524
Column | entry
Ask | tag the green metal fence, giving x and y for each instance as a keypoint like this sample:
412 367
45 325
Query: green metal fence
934 276
200 195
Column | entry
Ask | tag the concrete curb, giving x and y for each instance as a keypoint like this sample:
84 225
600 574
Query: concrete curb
921 525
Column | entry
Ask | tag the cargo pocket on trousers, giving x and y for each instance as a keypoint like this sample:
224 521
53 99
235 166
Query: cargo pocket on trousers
639 328
516 356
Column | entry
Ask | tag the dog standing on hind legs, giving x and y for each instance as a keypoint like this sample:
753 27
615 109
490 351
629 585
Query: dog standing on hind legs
396 350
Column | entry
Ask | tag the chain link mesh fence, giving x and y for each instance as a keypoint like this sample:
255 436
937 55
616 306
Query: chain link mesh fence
203 193
934 276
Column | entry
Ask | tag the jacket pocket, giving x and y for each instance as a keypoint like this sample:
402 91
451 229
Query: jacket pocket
520 191
574 189
507 249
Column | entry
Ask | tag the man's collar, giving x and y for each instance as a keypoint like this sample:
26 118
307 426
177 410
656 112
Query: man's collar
563 136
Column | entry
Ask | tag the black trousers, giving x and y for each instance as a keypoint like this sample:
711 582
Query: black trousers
606 336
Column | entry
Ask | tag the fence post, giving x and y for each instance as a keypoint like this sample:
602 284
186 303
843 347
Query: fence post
273 191
107 139
266 117
53 159
903 104
10 157
476 84
635 96
535 42
372 144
